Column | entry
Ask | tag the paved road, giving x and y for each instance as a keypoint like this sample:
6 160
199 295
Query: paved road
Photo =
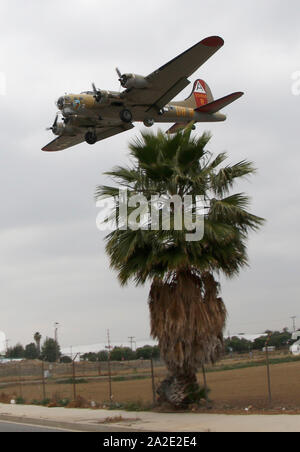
10 427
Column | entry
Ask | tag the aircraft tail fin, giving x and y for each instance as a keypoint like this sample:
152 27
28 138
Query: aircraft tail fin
217 105
200 95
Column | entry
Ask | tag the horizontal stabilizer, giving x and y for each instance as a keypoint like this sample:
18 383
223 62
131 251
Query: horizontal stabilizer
176 127
216 105
179 126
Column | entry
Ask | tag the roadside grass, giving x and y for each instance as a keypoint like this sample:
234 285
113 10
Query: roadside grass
70 381
130 377
137 405
248 364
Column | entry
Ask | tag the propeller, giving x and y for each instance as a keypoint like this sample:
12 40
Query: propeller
97 93
54 125
123 78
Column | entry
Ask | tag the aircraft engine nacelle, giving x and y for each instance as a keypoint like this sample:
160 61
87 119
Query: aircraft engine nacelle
134 81
103 97
63 129
148 122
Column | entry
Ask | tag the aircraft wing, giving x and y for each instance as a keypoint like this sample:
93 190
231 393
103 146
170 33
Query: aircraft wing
64 142
170 79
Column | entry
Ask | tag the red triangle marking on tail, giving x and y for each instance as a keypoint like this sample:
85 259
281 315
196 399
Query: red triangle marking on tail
200 93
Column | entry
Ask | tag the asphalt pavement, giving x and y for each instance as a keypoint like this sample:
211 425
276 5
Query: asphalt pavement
12 427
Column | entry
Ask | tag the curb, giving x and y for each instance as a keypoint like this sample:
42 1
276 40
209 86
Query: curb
72 426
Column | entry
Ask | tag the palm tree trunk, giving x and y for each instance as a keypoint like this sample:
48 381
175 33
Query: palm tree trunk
180 390
187 318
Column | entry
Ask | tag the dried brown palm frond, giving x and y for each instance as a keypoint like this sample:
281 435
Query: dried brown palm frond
188 319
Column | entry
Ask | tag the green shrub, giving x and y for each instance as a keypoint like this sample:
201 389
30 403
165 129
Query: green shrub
20 401
71 381
63 402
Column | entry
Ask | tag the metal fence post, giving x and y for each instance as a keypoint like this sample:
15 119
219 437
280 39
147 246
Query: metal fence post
153 381
20 380
268 369
74 382
43 380
205 382
109 378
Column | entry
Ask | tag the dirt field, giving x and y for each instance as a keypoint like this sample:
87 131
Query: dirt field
229 389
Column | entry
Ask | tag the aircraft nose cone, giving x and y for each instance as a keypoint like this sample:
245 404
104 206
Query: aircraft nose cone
60 103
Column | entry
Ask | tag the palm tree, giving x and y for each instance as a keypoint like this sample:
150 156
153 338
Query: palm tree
38 337
187 314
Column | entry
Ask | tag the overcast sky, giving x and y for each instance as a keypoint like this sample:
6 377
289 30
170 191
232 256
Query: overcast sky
52 260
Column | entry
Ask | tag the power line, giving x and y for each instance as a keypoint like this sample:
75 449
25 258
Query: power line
131 340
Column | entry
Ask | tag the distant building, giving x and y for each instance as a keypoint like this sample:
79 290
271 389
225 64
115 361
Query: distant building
295 348
270 349
249 337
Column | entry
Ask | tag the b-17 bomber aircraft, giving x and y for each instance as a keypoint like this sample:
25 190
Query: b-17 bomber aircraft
95 115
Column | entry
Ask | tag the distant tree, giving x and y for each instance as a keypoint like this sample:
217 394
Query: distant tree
38 337
122 353
31 351
280 339
259 343
16 352
95 357
65 359
156 352
238 345
92 357
102 355
147 352
50 350
277 339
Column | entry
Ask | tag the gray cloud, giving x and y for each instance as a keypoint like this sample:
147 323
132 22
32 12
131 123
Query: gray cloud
53 265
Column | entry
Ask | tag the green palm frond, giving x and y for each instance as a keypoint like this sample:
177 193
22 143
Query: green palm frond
180 164
223 181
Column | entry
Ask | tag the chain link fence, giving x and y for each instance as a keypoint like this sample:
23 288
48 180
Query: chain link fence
238 381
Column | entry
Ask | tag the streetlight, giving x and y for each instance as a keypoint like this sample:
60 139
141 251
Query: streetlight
294 323
56 325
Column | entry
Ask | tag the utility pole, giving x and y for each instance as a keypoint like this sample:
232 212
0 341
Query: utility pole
131 341
294 323
56 324
109 367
